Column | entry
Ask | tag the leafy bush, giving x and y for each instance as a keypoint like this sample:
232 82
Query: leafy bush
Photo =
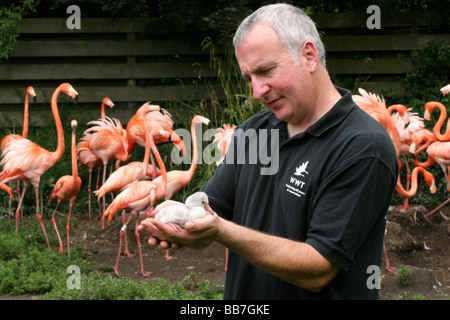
9 30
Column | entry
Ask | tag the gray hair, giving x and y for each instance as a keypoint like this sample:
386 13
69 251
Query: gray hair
292 25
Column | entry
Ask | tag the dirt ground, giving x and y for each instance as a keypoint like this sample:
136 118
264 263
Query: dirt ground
416 242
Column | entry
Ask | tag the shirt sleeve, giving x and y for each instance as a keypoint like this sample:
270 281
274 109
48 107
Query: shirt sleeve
347 208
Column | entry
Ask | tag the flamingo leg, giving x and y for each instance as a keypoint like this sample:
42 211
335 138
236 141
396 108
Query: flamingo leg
67 226
436 209
104 201
126 252
10 205
97 186
168 256
388 265
56 228
138 239
19 206
89 194
121 234
38 214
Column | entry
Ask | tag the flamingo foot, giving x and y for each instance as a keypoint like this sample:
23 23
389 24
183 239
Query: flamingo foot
116 271
390 268
168 257
175 226
145 273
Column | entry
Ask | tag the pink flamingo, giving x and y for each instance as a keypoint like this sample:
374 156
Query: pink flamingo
444 91
407 132
120 179
67 187
30 92
177 179
429 108
136 197
87 157
108 142
438 152
11 137
26 161
135 170
375 106
156 120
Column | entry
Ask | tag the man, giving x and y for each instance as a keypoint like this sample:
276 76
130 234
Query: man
312 229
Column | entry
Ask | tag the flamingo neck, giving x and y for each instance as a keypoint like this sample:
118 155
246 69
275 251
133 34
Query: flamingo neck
146 160
59 129
412 191
74 156
102 112
193 166
25 117
161 165
437 128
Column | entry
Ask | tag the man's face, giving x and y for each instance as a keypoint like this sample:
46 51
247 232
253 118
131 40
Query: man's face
277 81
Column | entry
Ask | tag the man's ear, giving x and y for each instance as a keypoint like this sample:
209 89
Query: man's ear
310 56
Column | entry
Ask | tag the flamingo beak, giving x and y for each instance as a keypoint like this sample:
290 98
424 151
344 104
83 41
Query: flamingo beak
208 209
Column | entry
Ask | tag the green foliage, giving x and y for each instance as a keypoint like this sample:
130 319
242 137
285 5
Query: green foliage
28 267
404 276
99 287
9 30
432 72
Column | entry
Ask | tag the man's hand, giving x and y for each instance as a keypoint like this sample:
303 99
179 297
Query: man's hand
197 233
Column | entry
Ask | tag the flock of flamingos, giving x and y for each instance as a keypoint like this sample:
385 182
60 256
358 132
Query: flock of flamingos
137 187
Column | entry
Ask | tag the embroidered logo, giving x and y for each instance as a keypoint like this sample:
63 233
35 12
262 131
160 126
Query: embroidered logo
296 185
302 169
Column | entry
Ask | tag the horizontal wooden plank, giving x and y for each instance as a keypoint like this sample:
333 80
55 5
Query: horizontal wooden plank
92 71
126 25
116 93
381 42
378 87
112 48
105 48
358 20
88 25
97 71
369 66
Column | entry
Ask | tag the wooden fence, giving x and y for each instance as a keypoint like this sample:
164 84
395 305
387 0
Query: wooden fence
128 64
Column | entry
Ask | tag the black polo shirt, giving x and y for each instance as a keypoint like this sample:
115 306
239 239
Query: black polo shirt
331 188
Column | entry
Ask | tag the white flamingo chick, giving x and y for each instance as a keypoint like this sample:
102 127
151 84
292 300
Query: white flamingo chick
177 215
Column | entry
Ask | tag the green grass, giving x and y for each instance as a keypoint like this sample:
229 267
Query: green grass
27 266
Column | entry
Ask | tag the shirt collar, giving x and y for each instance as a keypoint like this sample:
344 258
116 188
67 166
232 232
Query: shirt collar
336 114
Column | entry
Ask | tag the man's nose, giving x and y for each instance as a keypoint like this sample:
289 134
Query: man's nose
260 89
